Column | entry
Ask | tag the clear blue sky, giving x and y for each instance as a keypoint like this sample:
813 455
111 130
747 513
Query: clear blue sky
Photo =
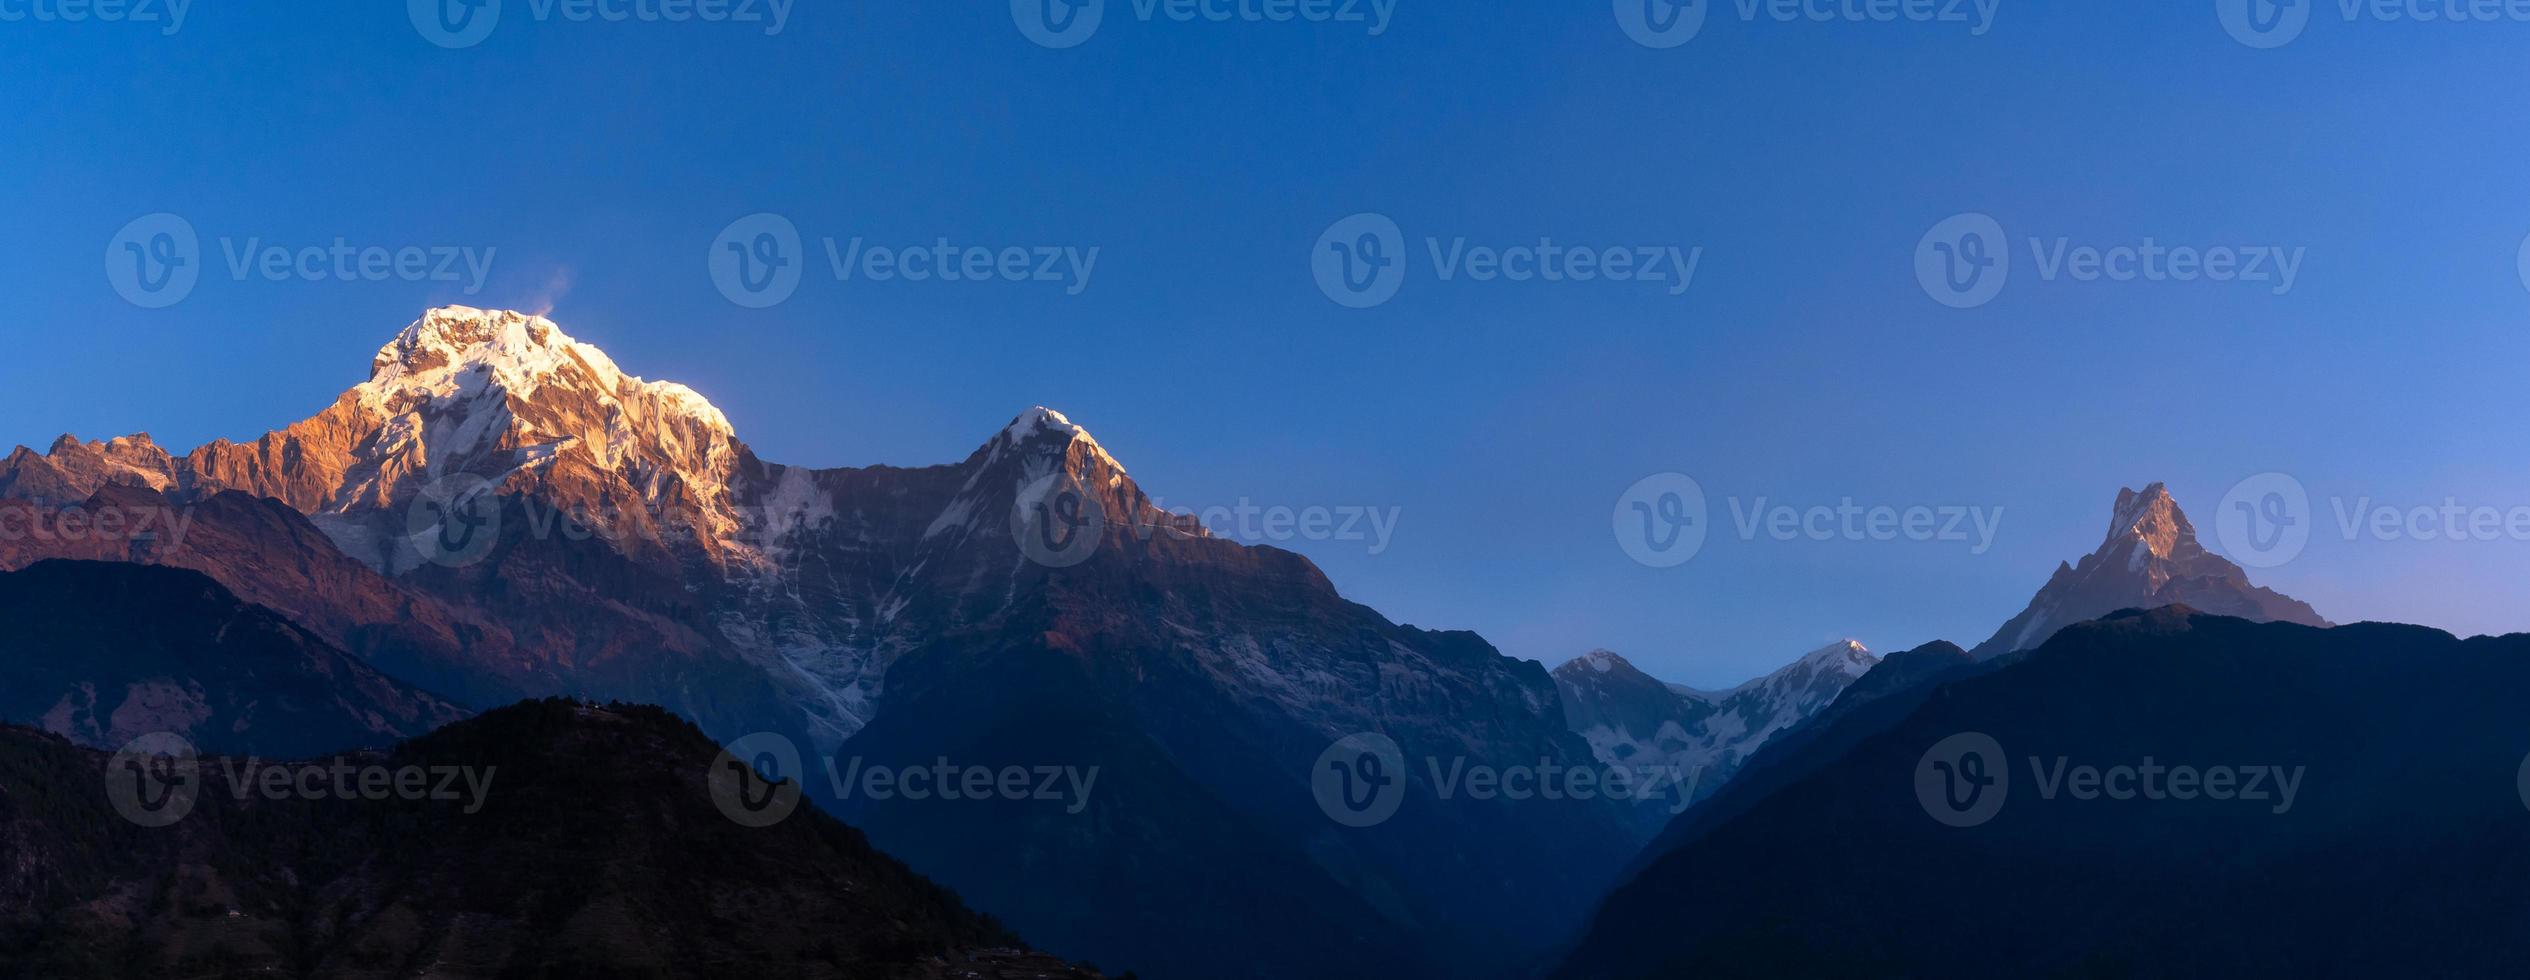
1504 420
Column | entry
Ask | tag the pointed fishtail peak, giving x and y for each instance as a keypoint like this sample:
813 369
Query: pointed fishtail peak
2152 517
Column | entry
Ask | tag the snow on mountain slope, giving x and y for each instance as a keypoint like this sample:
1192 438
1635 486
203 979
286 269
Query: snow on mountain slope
1630 719
999 603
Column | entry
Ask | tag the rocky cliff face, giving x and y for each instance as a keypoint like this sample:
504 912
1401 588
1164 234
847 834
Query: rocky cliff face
2149 559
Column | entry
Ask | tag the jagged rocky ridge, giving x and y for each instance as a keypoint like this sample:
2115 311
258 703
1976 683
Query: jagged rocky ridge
1633 720
520 517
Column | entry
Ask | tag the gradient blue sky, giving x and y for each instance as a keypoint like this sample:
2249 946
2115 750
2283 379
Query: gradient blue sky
1504 420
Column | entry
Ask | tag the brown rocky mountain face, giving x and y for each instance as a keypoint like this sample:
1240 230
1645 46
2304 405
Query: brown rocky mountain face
593 849
512 639
2150 559
521 518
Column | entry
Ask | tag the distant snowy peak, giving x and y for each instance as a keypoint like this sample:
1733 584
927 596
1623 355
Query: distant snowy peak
1847 657
1630 719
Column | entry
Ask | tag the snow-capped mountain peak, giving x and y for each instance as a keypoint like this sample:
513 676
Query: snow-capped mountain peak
1843 656
463 352
1056 431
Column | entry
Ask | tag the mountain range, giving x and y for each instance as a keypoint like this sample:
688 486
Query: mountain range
2150 558
2352 806
499 512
